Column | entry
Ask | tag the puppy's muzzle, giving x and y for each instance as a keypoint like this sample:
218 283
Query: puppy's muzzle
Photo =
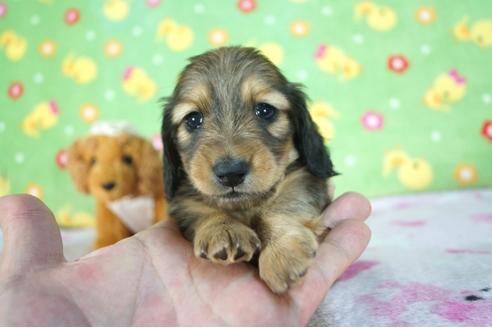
231 172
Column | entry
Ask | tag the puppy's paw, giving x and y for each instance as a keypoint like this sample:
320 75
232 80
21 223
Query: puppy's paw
226 242
285 260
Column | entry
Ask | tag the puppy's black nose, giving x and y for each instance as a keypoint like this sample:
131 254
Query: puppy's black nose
108 185
231 171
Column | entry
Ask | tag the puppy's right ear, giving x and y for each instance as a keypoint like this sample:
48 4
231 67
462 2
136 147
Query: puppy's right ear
79 162
173 172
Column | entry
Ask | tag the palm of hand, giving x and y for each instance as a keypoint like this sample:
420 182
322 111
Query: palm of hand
153 278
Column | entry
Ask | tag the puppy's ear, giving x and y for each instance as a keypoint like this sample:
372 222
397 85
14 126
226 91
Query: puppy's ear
78 164
149 170
173 172
307 140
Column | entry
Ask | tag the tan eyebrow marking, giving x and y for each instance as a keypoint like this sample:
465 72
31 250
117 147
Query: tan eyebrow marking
276 99
258 91
192 98
181 110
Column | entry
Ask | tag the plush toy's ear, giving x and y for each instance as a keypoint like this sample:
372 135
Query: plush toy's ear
78 163
307 140
173 167
149 170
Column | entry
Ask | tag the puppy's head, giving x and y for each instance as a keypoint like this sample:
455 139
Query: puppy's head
233 125
110 167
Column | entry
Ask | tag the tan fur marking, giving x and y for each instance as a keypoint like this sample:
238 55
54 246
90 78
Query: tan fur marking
197 97
293 154
256 90
181 110
280 127
184 136
275 99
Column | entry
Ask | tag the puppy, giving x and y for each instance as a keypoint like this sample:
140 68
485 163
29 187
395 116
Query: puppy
245 168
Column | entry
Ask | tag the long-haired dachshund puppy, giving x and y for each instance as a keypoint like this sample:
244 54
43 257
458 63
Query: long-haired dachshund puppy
245 168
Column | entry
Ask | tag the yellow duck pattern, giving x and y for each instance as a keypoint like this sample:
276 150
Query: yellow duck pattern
43 117
116 10
480 32
448 88
414 173
333 60
323 114
176 36
81 69
378 17
13 44
138 84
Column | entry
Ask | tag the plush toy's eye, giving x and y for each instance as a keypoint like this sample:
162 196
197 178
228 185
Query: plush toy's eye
127 159
265 111
194 120
92 161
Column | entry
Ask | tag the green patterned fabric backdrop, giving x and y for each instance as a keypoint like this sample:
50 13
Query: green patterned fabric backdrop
401 90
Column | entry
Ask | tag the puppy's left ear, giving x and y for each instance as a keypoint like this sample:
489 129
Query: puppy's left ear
173 172
307 140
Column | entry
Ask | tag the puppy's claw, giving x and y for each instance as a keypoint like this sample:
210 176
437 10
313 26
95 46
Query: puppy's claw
221 255
280 289
239 253
296 276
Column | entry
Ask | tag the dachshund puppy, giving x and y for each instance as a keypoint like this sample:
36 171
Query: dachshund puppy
245 168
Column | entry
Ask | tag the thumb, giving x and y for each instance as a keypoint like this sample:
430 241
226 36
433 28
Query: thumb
31 235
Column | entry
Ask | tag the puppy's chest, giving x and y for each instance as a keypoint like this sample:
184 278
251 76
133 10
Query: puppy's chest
249 217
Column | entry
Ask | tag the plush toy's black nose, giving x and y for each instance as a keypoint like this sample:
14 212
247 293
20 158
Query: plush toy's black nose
231 171
108 185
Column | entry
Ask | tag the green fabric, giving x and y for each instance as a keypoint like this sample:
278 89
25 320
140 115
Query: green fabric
374 117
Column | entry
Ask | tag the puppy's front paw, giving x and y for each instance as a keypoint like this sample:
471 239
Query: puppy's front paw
226 242
285 260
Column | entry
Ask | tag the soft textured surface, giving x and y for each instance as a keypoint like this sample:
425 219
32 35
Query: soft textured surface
400 89
429 263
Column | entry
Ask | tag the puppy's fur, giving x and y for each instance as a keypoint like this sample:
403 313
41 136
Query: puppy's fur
275 208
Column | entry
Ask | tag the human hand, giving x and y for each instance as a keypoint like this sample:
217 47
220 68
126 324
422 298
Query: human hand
153 278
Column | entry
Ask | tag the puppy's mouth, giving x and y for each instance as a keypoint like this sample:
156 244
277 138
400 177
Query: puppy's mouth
234 194
236 198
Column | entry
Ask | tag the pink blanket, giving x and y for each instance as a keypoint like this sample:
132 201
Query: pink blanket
429 263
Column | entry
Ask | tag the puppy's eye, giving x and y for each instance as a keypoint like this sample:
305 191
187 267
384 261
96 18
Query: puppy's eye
265 111
194 120
127 159
92 161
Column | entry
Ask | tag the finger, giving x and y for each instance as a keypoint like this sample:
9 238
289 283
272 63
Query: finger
350 205
343 245
31 235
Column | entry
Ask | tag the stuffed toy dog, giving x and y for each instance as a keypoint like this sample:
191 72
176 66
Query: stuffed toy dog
124 173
